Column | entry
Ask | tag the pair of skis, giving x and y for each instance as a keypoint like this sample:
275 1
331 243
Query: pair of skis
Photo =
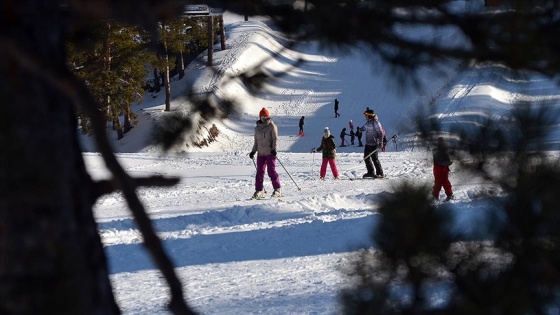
356 177
351 170
266 197
281 195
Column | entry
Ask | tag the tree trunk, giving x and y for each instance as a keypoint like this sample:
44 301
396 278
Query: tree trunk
107 68
165 74
210 23
118 127
222 33
157 86
127 124
167 87
181 60
51 257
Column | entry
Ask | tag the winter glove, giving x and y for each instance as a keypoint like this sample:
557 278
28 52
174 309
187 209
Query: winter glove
313 150
252 155
273 152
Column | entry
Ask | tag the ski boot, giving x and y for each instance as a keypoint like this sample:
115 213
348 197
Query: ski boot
259 194
276 193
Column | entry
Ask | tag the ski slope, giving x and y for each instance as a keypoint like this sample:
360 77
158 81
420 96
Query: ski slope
283 256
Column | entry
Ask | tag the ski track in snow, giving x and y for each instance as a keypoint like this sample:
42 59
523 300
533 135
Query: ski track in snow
204 204
208 224
207 204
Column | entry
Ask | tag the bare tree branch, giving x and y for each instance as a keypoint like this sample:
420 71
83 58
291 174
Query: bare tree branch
110 185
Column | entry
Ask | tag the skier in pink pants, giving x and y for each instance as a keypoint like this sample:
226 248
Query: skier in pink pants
329 153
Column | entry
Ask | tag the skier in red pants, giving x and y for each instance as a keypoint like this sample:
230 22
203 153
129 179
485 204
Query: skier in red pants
442 161
329 154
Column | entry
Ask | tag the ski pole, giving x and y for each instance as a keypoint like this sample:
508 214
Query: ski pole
288 173
367 156
313 164
355 167
253 159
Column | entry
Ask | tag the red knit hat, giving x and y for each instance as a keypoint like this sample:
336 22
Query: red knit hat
264 112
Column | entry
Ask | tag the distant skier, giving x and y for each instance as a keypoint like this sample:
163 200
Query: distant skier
352 136
359 136
442 161
342 135
384 144
329 154
301 123
266 138
394 138
336 114
374 135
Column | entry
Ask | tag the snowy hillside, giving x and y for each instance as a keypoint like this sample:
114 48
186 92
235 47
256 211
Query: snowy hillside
358 80
283 256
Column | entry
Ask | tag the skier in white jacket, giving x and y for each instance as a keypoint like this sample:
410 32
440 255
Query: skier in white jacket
266 137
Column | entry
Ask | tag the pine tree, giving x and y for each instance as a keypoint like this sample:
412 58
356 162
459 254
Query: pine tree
113 66
178 42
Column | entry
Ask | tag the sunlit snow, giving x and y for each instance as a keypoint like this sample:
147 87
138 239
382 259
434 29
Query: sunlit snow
282 256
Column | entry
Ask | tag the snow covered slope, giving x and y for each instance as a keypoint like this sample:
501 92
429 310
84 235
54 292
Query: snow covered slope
283 256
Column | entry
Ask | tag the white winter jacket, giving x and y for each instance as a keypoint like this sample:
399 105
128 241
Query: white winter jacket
266 136
374 131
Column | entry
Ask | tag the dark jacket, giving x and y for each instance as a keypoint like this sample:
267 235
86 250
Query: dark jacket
441 154
301 122
358 133
327 146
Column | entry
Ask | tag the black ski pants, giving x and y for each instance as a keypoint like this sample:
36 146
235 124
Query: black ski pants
373 160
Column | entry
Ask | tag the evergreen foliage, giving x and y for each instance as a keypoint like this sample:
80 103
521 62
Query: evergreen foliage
114 59
112 63
512 268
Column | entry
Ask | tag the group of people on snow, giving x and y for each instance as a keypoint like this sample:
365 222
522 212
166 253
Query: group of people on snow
265 146
374 136
355 134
